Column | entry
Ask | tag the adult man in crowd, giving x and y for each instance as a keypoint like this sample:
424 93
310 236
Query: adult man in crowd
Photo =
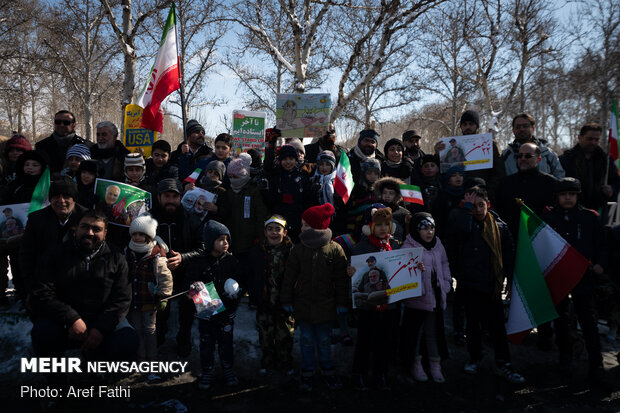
56 145
109 152
365 149
589 163
531 185
523 129
326 142
182 232
50 226
195 148
83 297
411 140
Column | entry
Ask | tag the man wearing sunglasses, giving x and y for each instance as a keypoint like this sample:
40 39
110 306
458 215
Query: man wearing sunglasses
523 127
56 145
531 185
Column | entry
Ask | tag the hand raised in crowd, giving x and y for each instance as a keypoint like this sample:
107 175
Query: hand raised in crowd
439 146
351 271
469 197
93 340
607 191
174 261
598 270
189 186
421 266
78 330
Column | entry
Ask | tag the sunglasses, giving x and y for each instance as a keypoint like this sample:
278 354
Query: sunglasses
62 122
524 155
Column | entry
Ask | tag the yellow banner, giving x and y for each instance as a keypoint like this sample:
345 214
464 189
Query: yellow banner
137 139
404 287
476 162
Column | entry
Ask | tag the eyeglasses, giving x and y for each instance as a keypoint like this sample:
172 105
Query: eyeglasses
524 155
62 122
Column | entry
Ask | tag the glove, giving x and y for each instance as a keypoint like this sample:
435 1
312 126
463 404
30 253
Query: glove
288 308
342 310
231 288
161 305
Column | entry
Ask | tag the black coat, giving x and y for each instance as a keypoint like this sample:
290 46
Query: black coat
356 163
43 233
152 176
71 287
57 152
115 171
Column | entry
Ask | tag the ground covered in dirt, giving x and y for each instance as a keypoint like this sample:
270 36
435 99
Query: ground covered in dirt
547 389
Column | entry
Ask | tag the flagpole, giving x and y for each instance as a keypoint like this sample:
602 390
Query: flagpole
181 81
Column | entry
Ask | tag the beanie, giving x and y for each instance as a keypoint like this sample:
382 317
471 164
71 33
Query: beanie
240 166
298 145
80 151
370 165
63 185
134 159
89 165
421 220
393 142
257 159
17 142
318 217
217 166
162 145
287 151
567 184
471 116
368 133
212 231
145 224
430 158
193 126
458 168
327 156
375 214
410 134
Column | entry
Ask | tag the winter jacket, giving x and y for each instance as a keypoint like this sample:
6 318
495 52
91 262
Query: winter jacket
316 282
244 214
56 149
192 157
267 272
436 260
152 175
314 149
113 169
356 163
207 268
401 171
582 229
549 164
150 278
43 233
93 288
492 176
591 173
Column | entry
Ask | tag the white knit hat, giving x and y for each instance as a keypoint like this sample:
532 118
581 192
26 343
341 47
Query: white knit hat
145 224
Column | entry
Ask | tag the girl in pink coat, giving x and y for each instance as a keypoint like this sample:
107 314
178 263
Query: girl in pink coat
423 317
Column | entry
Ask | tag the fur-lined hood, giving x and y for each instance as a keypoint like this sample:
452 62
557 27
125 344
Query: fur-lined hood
388 182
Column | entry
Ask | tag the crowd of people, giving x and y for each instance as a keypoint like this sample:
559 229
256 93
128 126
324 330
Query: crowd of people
278 231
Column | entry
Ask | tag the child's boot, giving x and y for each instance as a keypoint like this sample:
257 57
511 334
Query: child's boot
435 367
418 371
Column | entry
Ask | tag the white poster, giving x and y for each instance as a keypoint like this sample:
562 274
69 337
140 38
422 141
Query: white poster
471 151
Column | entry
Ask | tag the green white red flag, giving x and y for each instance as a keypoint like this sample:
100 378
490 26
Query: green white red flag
614 123
165 77
40 195
411 194
547 268
194 176
343 184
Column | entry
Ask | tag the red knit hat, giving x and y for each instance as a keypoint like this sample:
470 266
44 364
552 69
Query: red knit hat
17 142
318 217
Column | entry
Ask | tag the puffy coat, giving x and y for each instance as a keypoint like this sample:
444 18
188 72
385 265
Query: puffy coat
150 278
433 259
316 282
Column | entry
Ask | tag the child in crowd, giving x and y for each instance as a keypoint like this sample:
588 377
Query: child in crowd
151 281
450 196
212 181
219 266
423 316
158 166
481 256
289 190
396 164
387 191
223 152
314 289
582 229
429 184
13 148
86 177
269 258
75 155
362 196
376 323
135 168
324 177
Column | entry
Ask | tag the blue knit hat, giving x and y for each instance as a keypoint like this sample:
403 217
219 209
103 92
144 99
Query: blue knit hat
212 231
79 150
369 133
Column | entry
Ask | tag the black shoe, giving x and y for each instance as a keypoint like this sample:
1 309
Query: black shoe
358 382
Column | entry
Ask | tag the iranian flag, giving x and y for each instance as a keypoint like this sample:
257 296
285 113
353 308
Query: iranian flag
411 194
547 268
343 185
194 175
165 77
613 133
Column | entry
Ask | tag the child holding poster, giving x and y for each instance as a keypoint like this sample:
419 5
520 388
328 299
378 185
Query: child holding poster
423 317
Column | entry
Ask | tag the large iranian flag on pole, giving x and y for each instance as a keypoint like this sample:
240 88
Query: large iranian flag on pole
164 77
547 268
343 184
613 133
